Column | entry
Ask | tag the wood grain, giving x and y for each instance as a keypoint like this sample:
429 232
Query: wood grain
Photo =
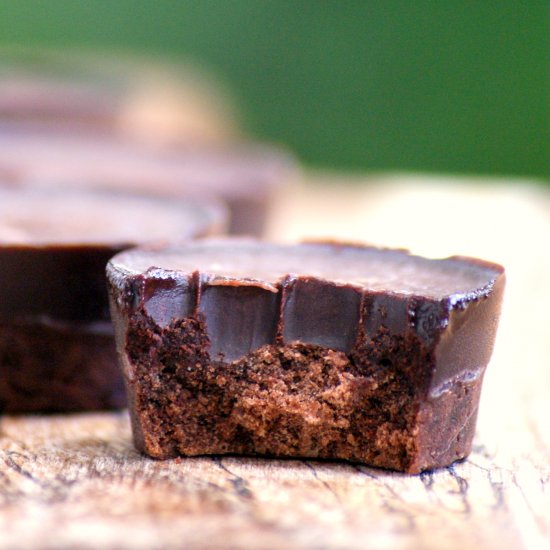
75 481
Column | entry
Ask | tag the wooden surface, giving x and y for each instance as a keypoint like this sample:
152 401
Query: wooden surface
76 482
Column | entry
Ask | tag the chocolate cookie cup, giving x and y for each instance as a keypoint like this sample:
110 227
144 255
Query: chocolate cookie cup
317 350
245 177
57 349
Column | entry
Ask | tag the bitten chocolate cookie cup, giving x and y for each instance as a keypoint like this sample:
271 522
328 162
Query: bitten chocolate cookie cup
312 350
57 350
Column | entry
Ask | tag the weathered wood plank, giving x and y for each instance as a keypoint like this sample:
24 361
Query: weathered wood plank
76 481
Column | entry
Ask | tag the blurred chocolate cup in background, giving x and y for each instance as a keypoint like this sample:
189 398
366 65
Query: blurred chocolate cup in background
159 102
244 176
57 349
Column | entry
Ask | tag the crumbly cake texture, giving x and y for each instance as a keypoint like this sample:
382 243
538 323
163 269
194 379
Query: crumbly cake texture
51 369
399 392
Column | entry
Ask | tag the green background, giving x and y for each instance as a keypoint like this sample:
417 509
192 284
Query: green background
370 85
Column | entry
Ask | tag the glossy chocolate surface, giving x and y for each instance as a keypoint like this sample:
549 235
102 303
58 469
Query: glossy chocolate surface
241 262
251 293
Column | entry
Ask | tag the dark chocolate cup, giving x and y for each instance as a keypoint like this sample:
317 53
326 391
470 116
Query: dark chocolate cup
244 177
57 349
314 350
143 98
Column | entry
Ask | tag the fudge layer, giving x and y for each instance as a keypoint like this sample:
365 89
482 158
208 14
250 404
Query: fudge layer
243 177
318 350
57 348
